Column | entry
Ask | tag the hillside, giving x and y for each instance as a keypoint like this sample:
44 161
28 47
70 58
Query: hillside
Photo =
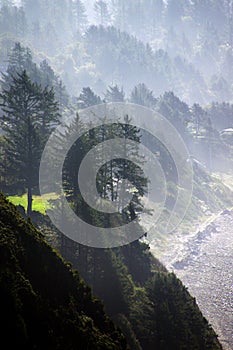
44 304
183 46
152 79
42 296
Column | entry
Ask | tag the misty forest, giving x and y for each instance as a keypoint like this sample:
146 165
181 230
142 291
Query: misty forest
62 60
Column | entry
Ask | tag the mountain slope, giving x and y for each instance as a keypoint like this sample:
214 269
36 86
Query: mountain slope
44 304
151 306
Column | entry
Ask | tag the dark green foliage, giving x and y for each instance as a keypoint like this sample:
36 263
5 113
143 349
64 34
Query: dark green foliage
138 259
30 113
20 59
44 304
109 176
176 317
126 327
152 307
175 110
88 98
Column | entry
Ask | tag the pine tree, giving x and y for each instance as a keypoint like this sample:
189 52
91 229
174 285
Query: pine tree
20 59
125 169
198 116
80 16
114 94
211 137
88 98
73 160
110 178
102 13
47 78
29 116
141 95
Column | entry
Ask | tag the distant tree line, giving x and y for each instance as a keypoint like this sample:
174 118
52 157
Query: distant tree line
182 46
34 99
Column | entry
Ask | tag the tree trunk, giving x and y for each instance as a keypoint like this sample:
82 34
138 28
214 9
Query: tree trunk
29 206
29 165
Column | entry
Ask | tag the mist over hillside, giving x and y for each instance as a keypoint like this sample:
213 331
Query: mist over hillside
189 43
154 80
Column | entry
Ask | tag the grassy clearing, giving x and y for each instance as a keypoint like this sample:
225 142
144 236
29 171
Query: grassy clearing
37 204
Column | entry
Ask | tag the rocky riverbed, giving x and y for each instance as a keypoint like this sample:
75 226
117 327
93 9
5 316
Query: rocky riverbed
204 263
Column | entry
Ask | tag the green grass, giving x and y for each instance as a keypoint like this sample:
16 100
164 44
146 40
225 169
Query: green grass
37 204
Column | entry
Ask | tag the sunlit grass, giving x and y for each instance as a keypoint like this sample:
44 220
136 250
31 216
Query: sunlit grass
37 204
